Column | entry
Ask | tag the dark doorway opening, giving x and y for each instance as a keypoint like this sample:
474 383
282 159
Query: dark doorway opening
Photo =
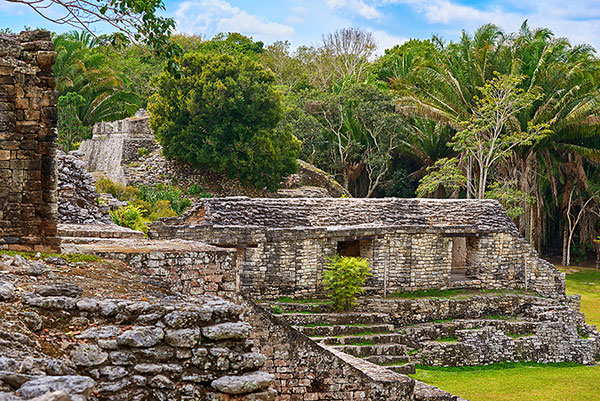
465 252
348 248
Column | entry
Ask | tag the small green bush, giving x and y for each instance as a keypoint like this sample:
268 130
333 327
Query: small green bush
131 217
119 191
344 278
143 151
197 190
158 192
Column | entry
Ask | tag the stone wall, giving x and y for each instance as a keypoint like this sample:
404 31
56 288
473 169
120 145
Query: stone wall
306 371
77 197
186 267
408 242
117 143
141 345
28 114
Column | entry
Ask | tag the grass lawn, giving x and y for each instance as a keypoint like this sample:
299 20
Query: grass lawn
535 382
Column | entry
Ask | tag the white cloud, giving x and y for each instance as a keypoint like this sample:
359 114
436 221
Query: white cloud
298 16
357 7
579 21
14 8
386 41
209 17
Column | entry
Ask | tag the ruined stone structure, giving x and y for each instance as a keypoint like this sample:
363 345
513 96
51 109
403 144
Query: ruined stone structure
117 143
411 243
28 116
127 152
77 197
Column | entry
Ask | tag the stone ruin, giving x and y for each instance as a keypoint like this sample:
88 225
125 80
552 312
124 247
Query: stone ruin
127 152
411 244
177 317
28 114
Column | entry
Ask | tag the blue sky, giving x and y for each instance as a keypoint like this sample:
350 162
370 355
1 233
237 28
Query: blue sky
391 21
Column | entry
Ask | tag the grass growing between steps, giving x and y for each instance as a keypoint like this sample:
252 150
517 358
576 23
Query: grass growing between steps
311 301
530 382
458 293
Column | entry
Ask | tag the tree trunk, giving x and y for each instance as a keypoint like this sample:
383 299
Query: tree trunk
564 251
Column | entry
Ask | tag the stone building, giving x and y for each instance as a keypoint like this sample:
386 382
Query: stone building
411 244
28 117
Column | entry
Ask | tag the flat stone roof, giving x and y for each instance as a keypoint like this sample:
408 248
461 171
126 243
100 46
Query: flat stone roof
340 213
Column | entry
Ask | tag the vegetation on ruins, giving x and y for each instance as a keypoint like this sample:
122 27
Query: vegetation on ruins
378 125
130 216
146 203
344 278
222 115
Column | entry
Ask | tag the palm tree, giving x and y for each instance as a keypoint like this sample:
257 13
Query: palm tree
81 69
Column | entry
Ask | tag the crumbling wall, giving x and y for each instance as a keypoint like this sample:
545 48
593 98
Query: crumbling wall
28 115
77 197
118 143
138 345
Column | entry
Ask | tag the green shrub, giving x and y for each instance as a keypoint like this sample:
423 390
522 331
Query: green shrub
344 278
160 192
119 191
161 208
222 114
131 217
197 190
143 151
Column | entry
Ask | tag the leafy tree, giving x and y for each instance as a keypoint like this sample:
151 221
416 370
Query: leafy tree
344 278
139 20
489 136
234 44
222 115
352 131
71 130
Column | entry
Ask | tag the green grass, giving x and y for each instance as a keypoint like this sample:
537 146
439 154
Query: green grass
527 381
364 333
68 257
587 283
522 383
462 294
447 340
288 300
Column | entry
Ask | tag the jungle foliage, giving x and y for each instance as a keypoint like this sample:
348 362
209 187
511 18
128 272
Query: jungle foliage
382 126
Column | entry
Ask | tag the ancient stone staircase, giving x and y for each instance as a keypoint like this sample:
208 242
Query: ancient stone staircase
489 337
368 336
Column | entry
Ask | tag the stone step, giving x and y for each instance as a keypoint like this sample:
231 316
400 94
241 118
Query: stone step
288 307
78 232
386 360
405 368
362 351
370 339
350 318
343 330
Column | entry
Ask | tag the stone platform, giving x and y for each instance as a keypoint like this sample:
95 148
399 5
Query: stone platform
189 267
91 233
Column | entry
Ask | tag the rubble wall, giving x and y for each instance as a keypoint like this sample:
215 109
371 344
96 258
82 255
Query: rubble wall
28 115
77 197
